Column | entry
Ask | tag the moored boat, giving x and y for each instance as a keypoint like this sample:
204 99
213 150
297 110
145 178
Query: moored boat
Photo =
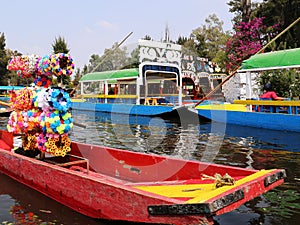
165 81
285 116
255 112
112 184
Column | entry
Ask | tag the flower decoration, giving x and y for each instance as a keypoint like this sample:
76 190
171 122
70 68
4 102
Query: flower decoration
41 140
62 64
42 81
43 66
58 146
24 65
57 123
29 141
22 99
42 116
60 99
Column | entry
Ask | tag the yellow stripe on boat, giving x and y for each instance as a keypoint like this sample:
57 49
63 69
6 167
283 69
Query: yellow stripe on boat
198 192
227 107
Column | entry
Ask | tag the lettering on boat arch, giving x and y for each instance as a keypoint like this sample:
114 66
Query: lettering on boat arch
161 52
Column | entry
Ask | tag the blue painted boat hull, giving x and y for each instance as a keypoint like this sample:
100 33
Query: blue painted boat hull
143 110
274 121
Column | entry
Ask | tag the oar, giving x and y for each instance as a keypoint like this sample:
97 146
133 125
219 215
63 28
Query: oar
217 87
235 71
79 124
4 103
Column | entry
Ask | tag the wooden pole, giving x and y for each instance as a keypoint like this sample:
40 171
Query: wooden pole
217 87
4 103
235 71
274 39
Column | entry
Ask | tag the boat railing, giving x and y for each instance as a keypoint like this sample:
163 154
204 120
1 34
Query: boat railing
272 106
78 160
150 99
127 99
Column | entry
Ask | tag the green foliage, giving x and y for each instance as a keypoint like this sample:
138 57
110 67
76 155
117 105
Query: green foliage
207 41
284 13
113 59
244 10
283 203
4 58
60 46
284 82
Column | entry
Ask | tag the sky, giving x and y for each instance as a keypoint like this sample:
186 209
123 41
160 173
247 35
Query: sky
91 26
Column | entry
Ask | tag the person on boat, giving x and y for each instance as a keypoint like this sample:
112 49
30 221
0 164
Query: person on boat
198 93
270 93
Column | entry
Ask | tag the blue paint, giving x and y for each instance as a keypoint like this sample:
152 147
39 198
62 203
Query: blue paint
143 110
274 121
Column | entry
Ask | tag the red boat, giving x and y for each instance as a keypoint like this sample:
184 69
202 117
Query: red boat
113 184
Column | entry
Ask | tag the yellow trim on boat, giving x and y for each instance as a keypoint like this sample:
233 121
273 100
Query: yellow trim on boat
267 102
227 107
198 193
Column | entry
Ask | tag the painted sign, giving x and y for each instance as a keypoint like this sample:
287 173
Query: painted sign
161 52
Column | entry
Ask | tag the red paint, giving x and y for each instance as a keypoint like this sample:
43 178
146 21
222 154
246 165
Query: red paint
107 191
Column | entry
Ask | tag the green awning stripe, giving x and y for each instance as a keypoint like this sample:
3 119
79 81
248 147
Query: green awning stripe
272 60
111 75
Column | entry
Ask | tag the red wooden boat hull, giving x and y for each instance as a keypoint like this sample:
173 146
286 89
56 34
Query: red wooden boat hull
130 186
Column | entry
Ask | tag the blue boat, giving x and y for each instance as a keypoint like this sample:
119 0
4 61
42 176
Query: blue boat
151 89
267 114
266 120
165 81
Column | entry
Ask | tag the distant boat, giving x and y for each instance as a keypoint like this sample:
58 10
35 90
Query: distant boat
151 89
113 184
165 81
277 115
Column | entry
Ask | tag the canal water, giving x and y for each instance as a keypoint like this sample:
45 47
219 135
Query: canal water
185 136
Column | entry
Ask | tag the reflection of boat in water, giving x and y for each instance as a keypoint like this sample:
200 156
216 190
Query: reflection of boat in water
27 203
258 138
113 184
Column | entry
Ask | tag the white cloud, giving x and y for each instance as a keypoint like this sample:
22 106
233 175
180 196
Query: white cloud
88 30
107 25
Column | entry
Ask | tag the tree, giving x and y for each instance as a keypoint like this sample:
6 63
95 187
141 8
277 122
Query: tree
77 77
4 58
281 13
60 46
210 40
248 39
113 59
243 10
284 82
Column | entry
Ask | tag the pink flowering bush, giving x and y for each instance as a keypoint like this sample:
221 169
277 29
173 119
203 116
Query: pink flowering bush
248 39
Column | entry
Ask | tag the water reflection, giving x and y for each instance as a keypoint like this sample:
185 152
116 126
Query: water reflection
185 137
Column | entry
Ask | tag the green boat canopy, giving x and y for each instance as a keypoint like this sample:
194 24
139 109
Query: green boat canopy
111 75
272 60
